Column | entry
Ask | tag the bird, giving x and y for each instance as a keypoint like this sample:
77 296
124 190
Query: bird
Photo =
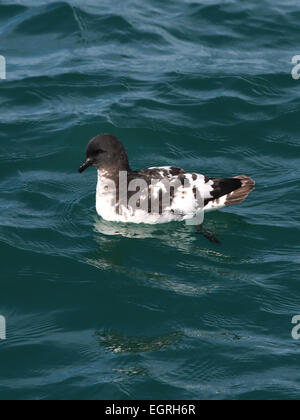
158 194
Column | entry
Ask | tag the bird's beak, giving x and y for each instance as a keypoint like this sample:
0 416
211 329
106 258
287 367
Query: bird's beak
86 164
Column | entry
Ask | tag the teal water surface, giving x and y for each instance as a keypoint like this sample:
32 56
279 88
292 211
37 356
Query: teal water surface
96 310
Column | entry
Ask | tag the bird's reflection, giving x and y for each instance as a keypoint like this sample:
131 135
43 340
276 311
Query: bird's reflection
115 342
175 235
125 249
141 231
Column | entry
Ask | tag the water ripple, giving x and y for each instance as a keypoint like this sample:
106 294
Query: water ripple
98 310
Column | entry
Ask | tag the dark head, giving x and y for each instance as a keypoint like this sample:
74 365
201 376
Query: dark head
106 152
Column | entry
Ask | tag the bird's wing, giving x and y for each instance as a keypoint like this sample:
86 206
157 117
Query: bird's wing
172 190
175 190
228 191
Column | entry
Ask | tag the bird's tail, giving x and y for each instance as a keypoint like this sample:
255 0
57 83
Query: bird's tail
239 195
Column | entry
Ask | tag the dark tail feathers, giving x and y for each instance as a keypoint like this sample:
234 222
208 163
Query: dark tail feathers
239 195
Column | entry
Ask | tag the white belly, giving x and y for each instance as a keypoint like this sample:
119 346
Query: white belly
183 207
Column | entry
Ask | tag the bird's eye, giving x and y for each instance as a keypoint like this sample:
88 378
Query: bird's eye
98 151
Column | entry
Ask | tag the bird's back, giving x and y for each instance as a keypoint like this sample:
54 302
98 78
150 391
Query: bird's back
166 194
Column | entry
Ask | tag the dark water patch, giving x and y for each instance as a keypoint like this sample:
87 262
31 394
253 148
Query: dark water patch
9 11
57 18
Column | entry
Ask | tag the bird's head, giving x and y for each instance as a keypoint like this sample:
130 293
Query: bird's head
105 151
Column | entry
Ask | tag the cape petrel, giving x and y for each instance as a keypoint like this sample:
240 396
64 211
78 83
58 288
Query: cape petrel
124 195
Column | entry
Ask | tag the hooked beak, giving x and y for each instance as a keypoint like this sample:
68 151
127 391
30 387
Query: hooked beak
86 164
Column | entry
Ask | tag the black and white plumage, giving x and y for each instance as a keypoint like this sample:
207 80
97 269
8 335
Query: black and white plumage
108 155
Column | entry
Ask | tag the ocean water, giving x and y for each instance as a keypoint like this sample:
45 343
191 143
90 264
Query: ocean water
96 310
